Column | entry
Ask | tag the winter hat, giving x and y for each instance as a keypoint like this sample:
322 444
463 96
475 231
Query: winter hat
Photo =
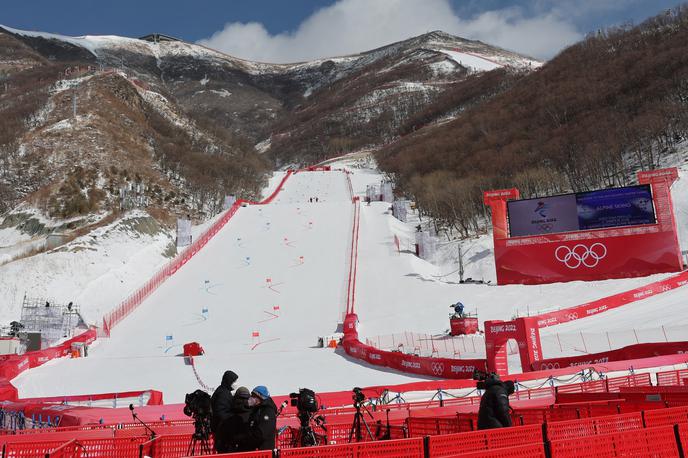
261 391
242 392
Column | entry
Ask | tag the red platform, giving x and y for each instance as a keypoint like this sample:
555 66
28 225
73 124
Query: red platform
463 326
193 349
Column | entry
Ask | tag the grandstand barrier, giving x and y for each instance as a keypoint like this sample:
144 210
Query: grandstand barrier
400 448
594 425
651 442
677 377
628 434
450 445
259 454
521 451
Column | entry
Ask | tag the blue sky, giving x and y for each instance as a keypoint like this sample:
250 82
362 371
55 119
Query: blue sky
290 30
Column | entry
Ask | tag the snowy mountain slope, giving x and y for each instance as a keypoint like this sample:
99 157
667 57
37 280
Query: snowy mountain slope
95 271
259 100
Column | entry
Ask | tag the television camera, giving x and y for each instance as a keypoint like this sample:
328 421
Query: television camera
306 405
197 406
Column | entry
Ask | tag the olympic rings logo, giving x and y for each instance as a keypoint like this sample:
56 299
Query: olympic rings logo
546 227
572 316
437 368
549 366
581 255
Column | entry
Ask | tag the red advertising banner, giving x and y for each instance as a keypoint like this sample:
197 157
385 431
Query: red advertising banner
435 367
611 302
619 252
631 352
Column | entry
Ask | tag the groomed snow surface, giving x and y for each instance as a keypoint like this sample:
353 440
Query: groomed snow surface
302 247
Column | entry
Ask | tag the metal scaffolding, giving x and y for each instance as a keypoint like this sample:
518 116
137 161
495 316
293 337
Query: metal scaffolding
53 320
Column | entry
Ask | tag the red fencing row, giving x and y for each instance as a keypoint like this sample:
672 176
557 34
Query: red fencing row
452 444
645 443
612 302
587 430
677 377
637 351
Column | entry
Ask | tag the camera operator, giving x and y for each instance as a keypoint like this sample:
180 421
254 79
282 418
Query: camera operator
262 422
494 406
233 430
221 402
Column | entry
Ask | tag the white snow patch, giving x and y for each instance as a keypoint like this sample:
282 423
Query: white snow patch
472 61
222 92
263 146
443 67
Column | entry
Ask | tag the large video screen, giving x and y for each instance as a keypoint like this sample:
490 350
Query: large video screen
613 207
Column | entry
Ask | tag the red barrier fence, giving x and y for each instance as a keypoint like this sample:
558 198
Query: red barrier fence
677 377
637 351
403 448
663 417
625 432
594 425
451 444
522 451
259 454
611 302
652 442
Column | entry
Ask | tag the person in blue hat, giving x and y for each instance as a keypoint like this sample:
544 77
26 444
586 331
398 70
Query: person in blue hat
262 423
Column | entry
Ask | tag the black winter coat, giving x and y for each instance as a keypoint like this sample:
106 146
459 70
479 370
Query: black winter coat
233 431
262 426
221 401
494 406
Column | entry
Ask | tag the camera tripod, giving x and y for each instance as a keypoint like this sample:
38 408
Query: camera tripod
306 435
359 419
200 438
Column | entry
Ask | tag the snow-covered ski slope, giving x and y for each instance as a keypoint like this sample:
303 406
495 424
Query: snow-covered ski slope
301 247
396 292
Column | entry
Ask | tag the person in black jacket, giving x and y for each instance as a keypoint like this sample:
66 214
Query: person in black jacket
262 423
234 429
494 406
221 403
